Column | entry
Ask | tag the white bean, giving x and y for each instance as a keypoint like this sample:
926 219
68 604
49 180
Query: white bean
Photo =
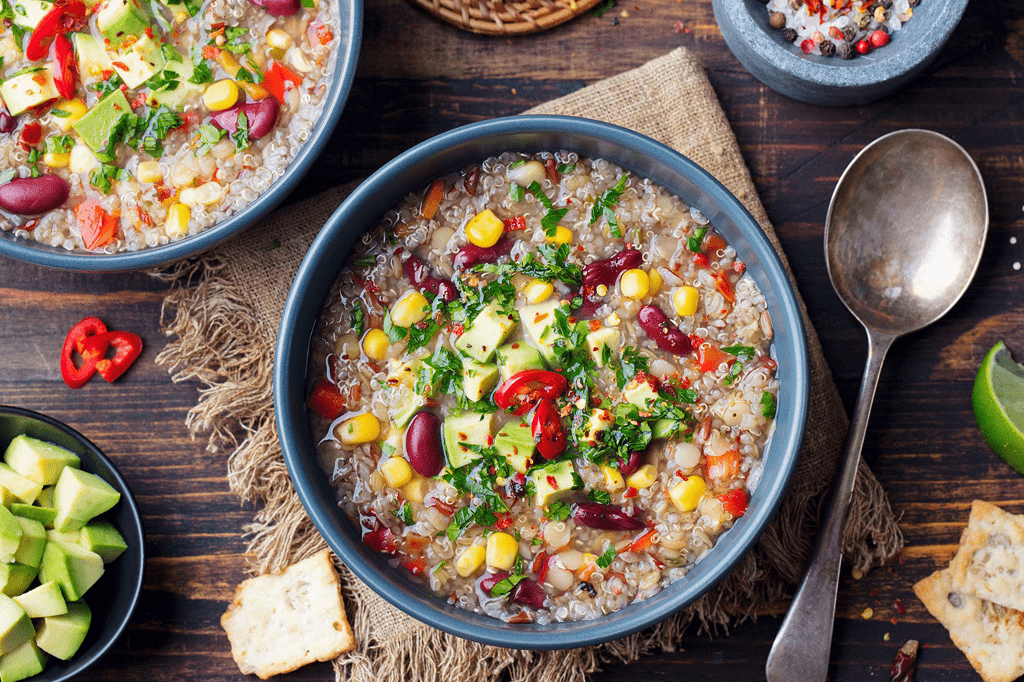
570 559
556 534
686 455
559 578
531 171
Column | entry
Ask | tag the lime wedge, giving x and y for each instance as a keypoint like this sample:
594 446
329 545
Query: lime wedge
998 400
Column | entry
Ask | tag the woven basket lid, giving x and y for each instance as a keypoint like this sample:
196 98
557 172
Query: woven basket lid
494 17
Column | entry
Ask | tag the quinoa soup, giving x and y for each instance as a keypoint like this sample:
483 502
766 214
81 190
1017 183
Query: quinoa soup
543 387
131 125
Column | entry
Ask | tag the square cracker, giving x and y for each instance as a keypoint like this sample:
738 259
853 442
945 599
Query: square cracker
991 636
278 623
990 561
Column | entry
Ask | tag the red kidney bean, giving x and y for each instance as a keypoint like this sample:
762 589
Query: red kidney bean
630 465
261 117
279 8
607 271
31 196
376 535
418 273
528 593
605 517
658 328
471 254
488 582
423 444
8 123
590 303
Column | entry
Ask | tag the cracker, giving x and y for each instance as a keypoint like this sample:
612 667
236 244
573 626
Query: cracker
990 561
991 636
278 623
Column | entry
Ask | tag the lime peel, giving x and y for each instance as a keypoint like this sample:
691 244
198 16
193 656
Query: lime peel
998 401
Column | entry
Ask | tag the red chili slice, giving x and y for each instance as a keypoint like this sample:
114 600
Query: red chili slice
74 375
523 390
63 18
127 347
734 502
547 429
64 76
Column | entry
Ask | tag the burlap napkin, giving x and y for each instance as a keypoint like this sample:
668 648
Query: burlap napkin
223 312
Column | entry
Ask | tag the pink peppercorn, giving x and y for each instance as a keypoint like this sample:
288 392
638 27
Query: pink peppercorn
879 38
863 47
807 46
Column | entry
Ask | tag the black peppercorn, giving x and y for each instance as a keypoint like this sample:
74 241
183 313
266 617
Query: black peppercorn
828 48
845 51
849 33
914 3
789 35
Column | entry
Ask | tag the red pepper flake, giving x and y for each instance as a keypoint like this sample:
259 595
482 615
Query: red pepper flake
630 493
553 482
515 223
874 593
679 26
900 608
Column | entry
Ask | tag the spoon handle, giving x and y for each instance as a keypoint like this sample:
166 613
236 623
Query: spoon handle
801 648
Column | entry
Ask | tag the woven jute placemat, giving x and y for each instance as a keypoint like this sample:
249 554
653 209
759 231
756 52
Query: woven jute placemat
498 17
222 313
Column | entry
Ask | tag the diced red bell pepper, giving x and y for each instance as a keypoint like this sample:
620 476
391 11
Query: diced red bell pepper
734 502
74 375
523 390
547 429
723 466
63 18
709 357
723 285
515 223
64 75
127 348
326 400
96 225
417 565
276 79
432 201
713 243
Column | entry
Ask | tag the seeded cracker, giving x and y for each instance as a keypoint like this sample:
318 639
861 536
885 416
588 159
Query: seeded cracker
279 623
990 561
991 636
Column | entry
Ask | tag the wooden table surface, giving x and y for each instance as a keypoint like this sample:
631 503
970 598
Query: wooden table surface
418 77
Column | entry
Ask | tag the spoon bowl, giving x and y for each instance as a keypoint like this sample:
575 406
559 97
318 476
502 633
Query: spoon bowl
903 238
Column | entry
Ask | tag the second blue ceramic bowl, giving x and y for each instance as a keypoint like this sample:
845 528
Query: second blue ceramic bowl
414 170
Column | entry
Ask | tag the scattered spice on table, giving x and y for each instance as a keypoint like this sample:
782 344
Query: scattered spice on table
905 663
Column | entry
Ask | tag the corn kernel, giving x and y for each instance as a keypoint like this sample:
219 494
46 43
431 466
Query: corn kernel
687 493
396 471
502 550
484 229
148 171
279 39
470 560
411 308
656 281
59 160
176 225
375 344
228 62
602 290
563 235
74 108
362 428
634 284
221 95
538 291
82 159
685 300
644 477
416 489
613 320
612 478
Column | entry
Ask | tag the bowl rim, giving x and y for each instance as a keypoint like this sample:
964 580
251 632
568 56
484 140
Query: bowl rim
134 591
82 261
291 357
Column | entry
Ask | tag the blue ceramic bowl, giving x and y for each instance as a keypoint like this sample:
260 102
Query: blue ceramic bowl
413 171
114 597
832 81
345 58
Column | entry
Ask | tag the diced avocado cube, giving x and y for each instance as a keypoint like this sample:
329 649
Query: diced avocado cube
24 489
28 13
15 625
45 497
7 498
515 442
118 19
38 460
139 62
42 601
61 636
599 420
93 60
80 495
33 539
44 515
488 330
403 412
516 357
10 535
22 662
73 567
553 481
28 89
177 96
600 340
472 428
666 428
640 392
101 537
16 578
478 379
101 125
538 322
68 537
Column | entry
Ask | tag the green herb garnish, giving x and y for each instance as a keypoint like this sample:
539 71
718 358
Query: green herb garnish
604 206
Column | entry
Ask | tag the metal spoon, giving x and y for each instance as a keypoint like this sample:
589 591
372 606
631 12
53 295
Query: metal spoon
903 239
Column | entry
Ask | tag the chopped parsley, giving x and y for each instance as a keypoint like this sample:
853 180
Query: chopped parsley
564 168
59 144
742 354
604 206
241 134
101 177
235 40
549 223
208 137
201 73
405 514
600 496
505 586
694 241
767 405
606 559
357 319
516 192
551 265
559 511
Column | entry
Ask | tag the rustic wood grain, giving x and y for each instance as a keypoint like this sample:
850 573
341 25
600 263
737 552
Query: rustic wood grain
418 77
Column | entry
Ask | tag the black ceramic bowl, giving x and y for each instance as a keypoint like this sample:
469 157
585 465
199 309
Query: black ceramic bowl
413 171
113 598
345 58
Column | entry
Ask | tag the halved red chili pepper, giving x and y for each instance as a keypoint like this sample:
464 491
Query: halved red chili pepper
74 375
326 400
64 76
522 390
547 429
63 18
734 502
127 347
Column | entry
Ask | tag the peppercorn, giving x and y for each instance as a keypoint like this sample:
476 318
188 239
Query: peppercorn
789 35
863 46
863 20
777 20
828 48
845 51
587 587
914 3
882 15
879 38
849 33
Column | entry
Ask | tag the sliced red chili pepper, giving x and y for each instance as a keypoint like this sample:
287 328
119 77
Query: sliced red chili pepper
709 357
734 502
515 223
276 79
127 347
326 400
63 18
74 375
547 429
523 390
643 541
725 287
64 76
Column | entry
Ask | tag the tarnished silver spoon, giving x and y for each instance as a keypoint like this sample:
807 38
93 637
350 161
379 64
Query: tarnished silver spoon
903 239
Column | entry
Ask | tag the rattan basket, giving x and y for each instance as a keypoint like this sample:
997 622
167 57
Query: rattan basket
494 17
